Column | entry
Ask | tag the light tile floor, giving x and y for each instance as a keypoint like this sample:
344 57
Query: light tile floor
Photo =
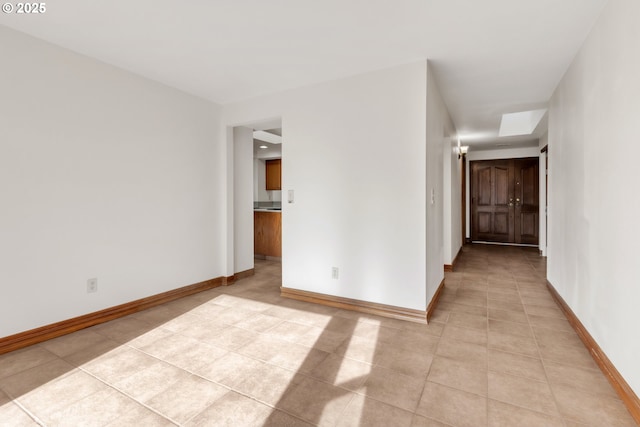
498 352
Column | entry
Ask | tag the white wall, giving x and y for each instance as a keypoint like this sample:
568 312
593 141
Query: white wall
544 141
593 186
452 205
440 232
354 153
102 174
243 198
505 153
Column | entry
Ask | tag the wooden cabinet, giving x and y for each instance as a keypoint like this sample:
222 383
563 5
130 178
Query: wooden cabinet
267 237
274 174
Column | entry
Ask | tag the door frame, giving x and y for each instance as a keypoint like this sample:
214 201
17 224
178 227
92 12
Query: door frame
501 154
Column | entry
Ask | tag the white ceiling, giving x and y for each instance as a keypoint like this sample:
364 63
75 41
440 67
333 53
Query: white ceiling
490 56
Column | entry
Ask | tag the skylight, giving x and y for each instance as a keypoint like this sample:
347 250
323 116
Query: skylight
523 123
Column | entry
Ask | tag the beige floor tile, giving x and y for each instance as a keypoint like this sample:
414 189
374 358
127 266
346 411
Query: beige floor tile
376 332
465 320
440 315
322 339
504 295
194 356
533 297
337 324
459 333
229 370
21 360
54 395
342 372
537 310
523 392
413 364
156 316
362 349
140 416
420 421
550 323
263 348
204 330
119 364
258 322
508 316
462 308
548 337
281 419
153 335
413 340
585 380
97 409
505 415
288 331
232 338
232 409
86 355
124 329
389 386
513 344
298 358
459 375
181 322
507 306
12 416
26 381
591 409
510 328
316 402
454 407
269 383
475 301
463 352
516 364
151 380
186 398
167 345
434 328
568 355
363 411
68 344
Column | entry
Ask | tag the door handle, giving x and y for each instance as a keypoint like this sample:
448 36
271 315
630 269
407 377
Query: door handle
510 202
518 202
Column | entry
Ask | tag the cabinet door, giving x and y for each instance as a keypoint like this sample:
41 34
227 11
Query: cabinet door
259 240
267 237
274 174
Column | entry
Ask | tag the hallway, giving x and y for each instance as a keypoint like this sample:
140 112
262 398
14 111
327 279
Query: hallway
498 352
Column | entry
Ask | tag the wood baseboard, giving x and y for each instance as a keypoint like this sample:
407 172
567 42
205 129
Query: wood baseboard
244 274
384 310
449 267
434 301
54 330
627 395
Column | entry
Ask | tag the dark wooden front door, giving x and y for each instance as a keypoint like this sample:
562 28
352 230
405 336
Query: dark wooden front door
504 201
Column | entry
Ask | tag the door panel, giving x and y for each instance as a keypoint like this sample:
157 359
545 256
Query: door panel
502 186
527 201
504 201
491 186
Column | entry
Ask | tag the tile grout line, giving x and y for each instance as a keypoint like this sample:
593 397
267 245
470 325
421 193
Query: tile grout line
544 367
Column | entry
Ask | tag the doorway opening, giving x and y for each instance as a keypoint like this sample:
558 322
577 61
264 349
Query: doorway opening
505 201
